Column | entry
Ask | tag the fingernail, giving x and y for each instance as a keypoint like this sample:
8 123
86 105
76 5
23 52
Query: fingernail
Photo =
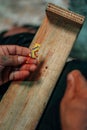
34 61
21 59
70 80
11 76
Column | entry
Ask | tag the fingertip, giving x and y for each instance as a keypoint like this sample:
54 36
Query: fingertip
30 60
19 75
75 73
28 67
74 76
70 87
26 51
70 80
33 67
21 59
70 77
78 76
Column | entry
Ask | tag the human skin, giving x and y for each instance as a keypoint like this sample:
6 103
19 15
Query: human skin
18 30
73 108
15 63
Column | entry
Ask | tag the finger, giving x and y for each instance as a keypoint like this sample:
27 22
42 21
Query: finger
16 50
70 89
30 60
28 67
80 83
16 30
12 60
19 75
79 78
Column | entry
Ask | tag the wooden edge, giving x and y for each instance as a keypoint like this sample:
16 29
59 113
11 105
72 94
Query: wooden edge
65 13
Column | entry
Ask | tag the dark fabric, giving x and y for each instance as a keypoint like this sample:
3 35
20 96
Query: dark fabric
22 39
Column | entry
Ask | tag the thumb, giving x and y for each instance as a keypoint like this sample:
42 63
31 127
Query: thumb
80 84
70 89
12 60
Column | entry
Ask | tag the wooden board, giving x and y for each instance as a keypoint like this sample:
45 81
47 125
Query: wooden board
24 102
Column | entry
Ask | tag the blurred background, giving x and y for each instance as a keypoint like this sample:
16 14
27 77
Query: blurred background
24 11
21 12
32 12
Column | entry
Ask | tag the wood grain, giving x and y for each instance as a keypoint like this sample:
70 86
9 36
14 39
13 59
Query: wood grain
24 102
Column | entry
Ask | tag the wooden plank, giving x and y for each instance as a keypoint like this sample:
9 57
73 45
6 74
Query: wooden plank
24 102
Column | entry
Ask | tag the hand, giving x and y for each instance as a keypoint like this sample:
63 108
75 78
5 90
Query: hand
73 107
13 64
